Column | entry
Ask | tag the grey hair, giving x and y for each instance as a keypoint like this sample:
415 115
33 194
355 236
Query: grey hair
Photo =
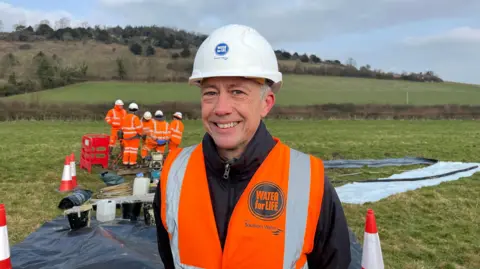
264 89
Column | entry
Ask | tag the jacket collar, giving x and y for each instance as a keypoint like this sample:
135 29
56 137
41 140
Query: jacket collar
244 167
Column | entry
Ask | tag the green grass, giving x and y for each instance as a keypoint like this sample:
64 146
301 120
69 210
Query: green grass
298 90
434 227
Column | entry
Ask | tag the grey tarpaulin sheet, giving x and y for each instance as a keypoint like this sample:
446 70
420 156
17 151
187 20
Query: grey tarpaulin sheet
123 244
377 163
367 192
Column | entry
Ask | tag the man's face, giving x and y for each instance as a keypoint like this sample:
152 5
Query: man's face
232 109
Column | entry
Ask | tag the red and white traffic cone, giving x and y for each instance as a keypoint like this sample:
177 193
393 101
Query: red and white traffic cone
372 257
66 184
5 262
73 170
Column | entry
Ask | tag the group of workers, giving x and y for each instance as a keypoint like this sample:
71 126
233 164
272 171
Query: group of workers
153 131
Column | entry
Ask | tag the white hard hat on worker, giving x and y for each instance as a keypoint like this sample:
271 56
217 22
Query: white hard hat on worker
235 67
147 115
133 107
178 115
236 51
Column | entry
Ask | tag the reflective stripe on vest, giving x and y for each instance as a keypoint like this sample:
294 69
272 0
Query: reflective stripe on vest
160 134
130 131
296 207
175 132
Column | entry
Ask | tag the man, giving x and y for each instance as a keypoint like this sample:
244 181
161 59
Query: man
241 198
147 127
132 132
158 130
114 119
175 131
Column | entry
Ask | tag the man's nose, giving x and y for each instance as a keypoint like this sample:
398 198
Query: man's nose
224 104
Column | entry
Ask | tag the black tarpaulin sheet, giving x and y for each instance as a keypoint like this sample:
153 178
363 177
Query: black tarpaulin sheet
118 244
113 245
377 163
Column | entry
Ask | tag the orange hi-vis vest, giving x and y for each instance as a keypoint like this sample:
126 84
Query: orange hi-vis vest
176 131
272 226
131 126
115 117
159 131
147 127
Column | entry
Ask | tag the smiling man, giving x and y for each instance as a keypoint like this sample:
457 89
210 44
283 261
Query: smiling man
242 198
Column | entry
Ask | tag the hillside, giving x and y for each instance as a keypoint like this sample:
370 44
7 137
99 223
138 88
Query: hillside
39 57
297 90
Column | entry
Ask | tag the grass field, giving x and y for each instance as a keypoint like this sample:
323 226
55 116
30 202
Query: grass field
435 227
298 90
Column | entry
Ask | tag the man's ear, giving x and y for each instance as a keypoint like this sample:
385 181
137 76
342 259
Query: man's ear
267 103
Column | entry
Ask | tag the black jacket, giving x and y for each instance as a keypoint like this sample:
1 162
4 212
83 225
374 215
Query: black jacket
332 243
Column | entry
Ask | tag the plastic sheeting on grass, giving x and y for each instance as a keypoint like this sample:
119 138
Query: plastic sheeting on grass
119 244
360 193
378 162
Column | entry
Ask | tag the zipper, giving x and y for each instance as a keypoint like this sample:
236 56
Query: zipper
226 173
230 198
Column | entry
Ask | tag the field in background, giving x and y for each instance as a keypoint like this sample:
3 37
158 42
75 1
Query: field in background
435 227
298 90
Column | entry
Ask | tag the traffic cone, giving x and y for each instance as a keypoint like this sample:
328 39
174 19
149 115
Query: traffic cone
372 252
5 262
73 170
66 184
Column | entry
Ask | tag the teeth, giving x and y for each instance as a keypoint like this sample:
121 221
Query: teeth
227 125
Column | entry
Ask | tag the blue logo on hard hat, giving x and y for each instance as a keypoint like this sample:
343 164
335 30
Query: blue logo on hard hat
221 49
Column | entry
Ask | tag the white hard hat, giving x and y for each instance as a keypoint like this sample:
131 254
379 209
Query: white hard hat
236 50
119 102
158 113
177 114
147 115
133 106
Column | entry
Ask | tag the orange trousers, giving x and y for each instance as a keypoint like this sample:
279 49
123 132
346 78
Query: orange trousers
113 137
147 147
130 151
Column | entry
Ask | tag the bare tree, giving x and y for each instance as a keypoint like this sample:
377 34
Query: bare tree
1 26
351 62
64 22
46 22
20 25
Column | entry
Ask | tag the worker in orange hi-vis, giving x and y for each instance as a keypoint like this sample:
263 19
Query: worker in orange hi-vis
160 132
147 124
114 119
175 131
132 130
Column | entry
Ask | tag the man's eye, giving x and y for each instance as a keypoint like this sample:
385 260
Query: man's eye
236 92
209 93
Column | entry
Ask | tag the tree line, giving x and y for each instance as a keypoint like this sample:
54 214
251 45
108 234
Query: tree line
142 41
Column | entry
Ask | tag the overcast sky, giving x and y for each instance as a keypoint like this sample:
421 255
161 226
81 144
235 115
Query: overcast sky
393 35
